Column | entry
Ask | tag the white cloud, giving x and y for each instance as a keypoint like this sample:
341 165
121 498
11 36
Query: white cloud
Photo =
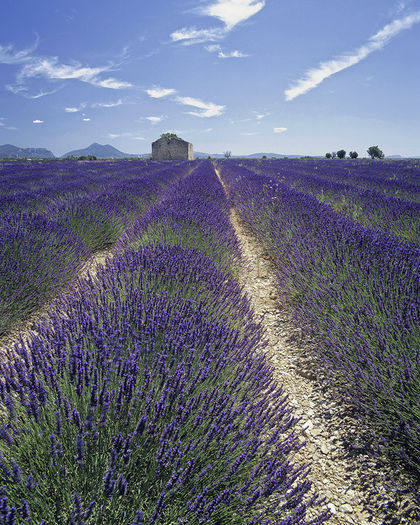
111 83
8 55
230 12
190 35
232 54
86 119
159 92
260 116
71 110
128 134
23 91
119 102
208 109
154 120
221 54
250 134
315 76
51 69
37 121
212 48
279 130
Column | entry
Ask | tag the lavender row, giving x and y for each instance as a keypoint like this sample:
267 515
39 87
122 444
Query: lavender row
194 214
147 398
356 290
366 207
397 178
44 247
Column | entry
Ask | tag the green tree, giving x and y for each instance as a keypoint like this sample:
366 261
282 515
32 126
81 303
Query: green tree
169 135
353 154
227 154
375 153
341 153
328 155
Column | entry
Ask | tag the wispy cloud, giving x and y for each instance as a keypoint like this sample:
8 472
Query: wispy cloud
250 133
71 110
154 120
230 12
50 68
126 134
119 102
221 54
315 76
208 109
260 116
86 119
23 91
37 121
232 54
159 92
190 35
279 130
8 54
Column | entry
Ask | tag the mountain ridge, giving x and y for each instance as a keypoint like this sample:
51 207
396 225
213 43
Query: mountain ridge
9 151
100 151
106 151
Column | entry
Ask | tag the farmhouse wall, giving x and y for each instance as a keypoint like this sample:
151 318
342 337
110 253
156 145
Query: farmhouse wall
172 149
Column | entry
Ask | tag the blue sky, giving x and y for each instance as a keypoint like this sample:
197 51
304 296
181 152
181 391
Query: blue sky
292 77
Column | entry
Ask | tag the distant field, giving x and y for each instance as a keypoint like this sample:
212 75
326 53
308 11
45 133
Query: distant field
146 397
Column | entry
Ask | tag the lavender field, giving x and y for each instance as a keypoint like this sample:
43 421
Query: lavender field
145 395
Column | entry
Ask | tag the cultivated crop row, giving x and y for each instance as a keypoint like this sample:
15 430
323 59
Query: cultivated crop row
53 220
369 208
355 289
397 178
147 398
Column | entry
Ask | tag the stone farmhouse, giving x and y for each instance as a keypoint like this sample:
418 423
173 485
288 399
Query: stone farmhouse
171 147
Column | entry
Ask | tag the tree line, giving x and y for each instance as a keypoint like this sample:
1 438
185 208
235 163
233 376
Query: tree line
374 152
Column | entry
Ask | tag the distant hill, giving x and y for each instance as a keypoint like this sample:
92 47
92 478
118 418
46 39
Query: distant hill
8 151
251 156
269 156
102 151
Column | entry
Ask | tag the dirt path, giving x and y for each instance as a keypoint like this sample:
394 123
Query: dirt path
357 487
24 329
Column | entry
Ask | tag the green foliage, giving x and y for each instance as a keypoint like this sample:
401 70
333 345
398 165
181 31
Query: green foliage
328 155
169 136
341 153
375 153
353 154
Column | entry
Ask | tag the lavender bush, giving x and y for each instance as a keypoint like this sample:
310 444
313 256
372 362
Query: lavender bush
56 214
147 398
367 207
355 289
